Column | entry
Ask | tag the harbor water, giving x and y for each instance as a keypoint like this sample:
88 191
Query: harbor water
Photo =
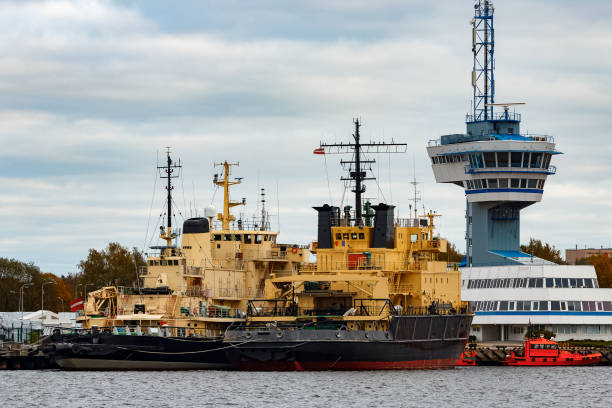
461 387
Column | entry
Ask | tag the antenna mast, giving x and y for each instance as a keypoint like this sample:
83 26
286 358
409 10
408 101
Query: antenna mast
168 174
357 175
226 217
483 45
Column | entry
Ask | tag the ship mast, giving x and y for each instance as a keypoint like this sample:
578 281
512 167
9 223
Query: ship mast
358 174
168 174
226 217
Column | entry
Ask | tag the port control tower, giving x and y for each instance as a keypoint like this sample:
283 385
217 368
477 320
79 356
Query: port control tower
500 169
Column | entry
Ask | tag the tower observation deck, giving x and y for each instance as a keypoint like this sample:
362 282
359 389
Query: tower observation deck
501 170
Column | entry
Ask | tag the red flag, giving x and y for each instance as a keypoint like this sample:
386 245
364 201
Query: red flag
76 304
320 150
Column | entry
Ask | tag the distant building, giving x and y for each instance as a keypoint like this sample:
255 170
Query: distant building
574 255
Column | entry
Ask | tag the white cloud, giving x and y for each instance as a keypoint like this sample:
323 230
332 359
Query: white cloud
93 91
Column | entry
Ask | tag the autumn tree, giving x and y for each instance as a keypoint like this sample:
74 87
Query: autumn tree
452 254
115 265
545 251
603 268
13 274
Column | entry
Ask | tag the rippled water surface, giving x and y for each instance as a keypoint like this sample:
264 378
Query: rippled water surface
462 387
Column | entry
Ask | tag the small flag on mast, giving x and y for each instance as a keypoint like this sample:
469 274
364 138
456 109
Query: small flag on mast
319 150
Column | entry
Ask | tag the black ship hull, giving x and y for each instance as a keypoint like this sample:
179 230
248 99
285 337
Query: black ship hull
412 342
120 352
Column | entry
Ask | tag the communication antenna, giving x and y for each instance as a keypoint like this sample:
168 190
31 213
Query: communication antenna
483 46
170 171
357 166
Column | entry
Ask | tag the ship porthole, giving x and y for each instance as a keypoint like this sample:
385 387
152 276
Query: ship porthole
338 334
279 335
248 335
367 335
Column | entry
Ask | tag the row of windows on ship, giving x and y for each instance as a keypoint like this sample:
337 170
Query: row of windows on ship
532 283
503 183
246 238
540 305
481 160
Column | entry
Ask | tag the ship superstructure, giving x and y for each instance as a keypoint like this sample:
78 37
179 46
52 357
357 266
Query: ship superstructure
380 295
202 285
500 169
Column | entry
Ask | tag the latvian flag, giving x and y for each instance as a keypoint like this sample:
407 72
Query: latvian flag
76 304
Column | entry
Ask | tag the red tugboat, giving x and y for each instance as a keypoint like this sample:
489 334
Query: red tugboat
544 352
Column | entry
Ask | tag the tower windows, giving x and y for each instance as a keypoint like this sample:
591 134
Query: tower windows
502 159
489 159
516 159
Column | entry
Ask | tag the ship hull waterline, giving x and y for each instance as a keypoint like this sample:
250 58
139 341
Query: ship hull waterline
119 352
343 356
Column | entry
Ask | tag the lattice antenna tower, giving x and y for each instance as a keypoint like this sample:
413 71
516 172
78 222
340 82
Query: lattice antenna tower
483 46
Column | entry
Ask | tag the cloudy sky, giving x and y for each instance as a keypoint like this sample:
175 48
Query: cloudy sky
93 90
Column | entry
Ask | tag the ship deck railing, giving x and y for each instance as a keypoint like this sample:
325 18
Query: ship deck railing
136 330
286 308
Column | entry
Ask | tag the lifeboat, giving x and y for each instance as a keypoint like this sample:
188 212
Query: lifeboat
544 352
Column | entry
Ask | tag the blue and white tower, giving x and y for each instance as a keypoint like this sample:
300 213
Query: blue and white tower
501 170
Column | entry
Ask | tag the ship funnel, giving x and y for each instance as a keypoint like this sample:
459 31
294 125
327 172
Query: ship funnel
196 226
384 229
324 235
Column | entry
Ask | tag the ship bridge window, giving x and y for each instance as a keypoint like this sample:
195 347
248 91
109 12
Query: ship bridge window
546 161
492 183
489 159
247 238
361 235
227 237
503 183
354 235
345 236
555 305
532 183
503 305
557 282
164 263
573 306
414 237
607 306
572 282
257 238
550 282
514 183
237 237
543 305
588 283
523 183
217 237
516 159
502 159
338 236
